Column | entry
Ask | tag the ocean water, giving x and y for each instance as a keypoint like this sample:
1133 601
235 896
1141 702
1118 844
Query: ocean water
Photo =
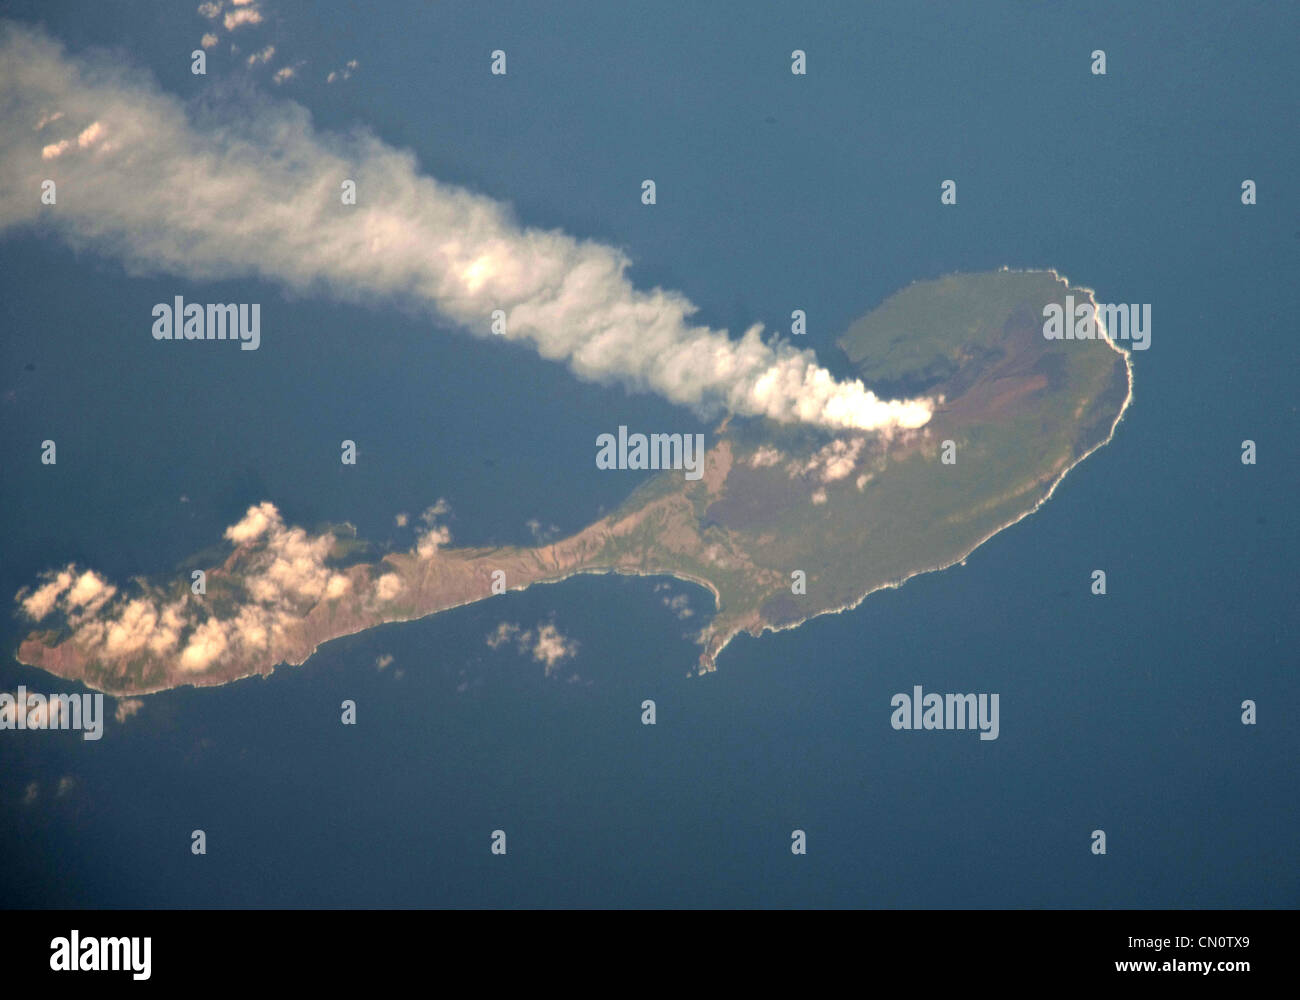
1120 713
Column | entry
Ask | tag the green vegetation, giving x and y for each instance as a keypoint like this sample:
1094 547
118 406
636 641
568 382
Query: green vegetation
1019 411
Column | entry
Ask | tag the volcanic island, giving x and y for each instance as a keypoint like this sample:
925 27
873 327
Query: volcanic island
786 523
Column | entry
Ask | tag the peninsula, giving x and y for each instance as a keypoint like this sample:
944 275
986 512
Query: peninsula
786 522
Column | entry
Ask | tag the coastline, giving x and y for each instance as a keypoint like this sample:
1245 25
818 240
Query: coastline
712 642
895 584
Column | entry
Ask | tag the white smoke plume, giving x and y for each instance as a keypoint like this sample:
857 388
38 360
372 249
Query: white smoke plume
242 185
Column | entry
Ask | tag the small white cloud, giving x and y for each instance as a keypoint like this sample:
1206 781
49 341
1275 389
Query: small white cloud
127 707
241 16
545 644
342 74
432 540
440 509
205 646
436 535
337 587
680 605
503 634
283 573
90 135
541 535
42 600
254 524
388 586
136 624
832 462
88 589
208 40
551 647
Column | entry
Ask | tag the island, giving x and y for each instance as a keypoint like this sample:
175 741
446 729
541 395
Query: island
787 522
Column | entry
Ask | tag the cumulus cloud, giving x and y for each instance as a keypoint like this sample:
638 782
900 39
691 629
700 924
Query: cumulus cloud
502 634
832 462
88 594
253 525
282 574
388 587
275 576
127 707
86 138
430 541
435 535
90 135
458 255
550 647
545 643
242 14
679 604
41 602
290 565
343 74
542 535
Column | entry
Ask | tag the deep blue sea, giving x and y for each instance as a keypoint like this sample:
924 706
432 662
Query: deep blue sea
774 192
